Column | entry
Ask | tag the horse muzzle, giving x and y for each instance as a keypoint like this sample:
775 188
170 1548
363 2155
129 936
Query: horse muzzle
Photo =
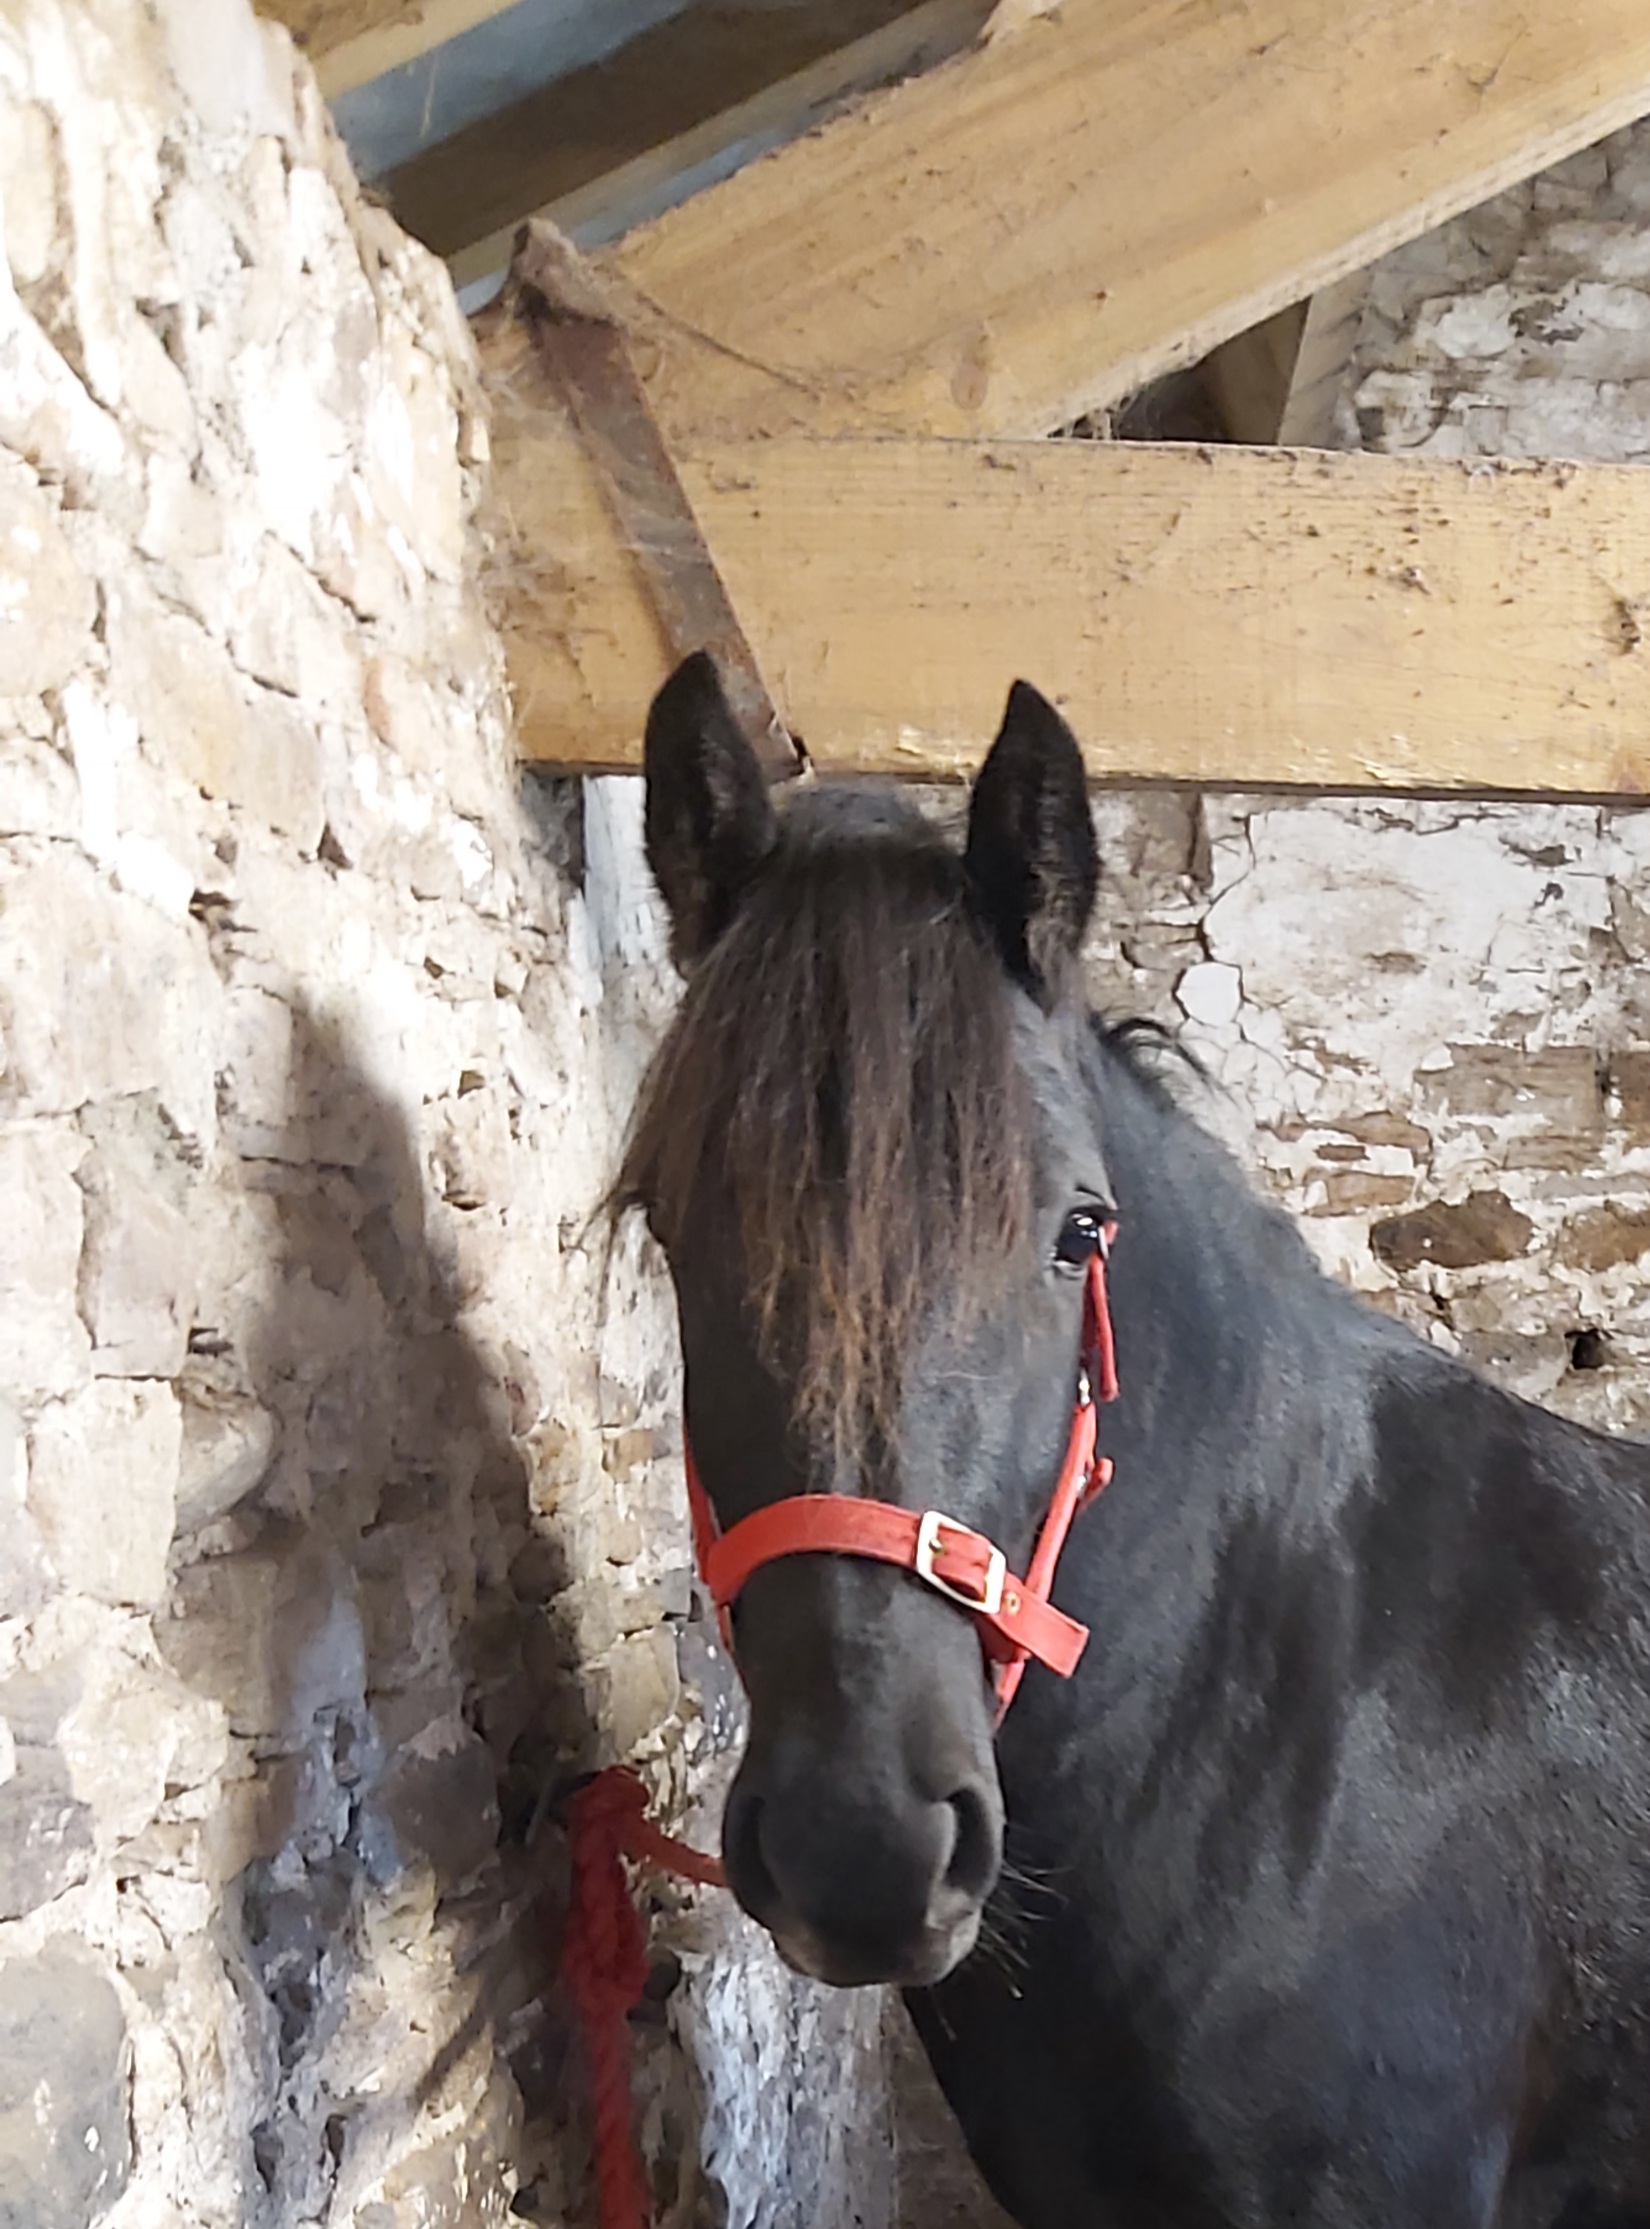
857 1893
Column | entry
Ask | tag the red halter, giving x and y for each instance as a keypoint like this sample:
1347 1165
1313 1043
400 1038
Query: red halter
1015 1617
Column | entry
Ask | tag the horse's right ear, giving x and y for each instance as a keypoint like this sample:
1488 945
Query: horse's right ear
1032 862
709 821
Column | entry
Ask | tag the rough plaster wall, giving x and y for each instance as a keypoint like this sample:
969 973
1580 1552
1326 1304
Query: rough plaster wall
340 1515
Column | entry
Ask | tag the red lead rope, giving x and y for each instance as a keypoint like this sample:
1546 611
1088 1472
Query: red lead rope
604 1964
604 1953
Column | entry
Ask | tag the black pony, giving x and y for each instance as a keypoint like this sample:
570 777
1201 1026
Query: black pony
1327 1888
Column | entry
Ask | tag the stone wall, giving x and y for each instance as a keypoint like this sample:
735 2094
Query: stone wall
340 1514
1429 1030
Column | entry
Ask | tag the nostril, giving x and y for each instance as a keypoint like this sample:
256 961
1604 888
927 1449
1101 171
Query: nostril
973 1862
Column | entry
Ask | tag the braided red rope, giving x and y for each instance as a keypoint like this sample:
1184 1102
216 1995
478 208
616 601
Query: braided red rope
604 1964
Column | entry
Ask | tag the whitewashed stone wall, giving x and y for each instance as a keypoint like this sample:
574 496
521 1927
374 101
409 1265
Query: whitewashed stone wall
1430 1030
340 1514
1523 328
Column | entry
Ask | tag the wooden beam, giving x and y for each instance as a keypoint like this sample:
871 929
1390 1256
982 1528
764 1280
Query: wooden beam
1046 223
1327 341
352 41
1226 617
600 147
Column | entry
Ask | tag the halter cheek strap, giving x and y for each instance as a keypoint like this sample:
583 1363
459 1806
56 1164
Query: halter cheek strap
1014 1616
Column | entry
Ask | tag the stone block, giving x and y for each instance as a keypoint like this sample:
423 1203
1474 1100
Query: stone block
25 1582
134 1733
1541 1102
259 1088
1484 1227
46 1831
137 1283
152 389
273 1634
355 561
635 1690
414 478
182 524
434 1803
46 603
47 415
29 190
284 778
43 1343
103 1479
1211 993
222 66
136 820
100 995
65 2080
1357 1191
1629 1076
287 634
463 2180
196 716
230 1442
1605 1237
46 1836
37 789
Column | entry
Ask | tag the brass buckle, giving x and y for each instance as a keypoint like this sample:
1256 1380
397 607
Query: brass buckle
989 1600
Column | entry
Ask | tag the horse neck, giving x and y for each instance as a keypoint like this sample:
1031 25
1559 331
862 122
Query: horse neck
1244 1370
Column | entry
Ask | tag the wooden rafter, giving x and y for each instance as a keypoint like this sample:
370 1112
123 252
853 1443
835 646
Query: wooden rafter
1047 222
1240 617
1329 336
599 149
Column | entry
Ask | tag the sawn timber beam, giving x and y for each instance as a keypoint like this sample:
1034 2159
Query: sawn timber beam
1095 197
1224 617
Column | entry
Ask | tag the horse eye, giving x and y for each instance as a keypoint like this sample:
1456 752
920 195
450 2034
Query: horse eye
1081 1236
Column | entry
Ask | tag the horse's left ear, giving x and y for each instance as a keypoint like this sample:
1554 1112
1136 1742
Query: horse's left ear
709 822
1032 862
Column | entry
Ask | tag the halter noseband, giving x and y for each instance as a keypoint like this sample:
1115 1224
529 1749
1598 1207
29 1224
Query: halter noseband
1015 1618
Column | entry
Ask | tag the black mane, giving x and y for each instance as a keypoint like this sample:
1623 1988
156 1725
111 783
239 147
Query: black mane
843 1056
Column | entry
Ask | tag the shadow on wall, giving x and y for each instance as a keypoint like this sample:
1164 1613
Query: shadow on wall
364 1591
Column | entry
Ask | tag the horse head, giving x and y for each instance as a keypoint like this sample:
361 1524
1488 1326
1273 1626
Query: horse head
867 1149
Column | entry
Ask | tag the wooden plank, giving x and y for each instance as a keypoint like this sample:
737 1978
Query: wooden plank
583 355
1242 618
1046 223
352 41
599 149
1326 344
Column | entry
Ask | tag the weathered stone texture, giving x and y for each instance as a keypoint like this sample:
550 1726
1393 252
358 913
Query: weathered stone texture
1522 328
65 2138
